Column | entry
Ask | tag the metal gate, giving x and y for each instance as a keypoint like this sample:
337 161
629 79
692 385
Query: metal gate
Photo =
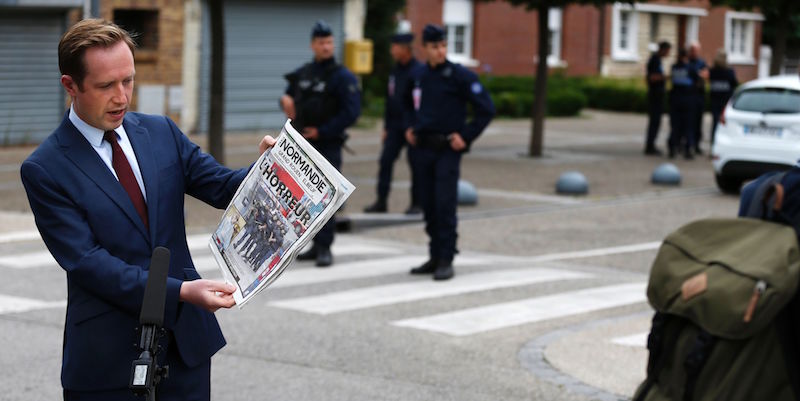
263 41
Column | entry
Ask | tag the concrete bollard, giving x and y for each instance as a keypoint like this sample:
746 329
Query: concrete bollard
666 174
572 183
467 194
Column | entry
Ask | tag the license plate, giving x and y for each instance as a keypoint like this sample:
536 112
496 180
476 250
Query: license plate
774 132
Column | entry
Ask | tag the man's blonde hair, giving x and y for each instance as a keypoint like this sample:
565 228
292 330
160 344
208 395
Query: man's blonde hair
84 35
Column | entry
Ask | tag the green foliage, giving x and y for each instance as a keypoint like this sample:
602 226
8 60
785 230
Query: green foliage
379 26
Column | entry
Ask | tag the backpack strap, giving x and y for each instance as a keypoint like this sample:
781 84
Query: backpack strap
660 347
696 358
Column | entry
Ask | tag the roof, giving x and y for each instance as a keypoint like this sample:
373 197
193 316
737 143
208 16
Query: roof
779 81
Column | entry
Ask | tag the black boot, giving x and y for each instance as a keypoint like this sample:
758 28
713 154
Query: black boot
426 268
444 271
413 209
378 207
324 257
310 254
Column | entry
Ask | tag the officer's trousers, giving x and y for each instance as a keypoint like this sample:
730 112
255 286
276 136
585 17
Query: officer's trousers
700 107
655 109
717 105
392 146
333 152
682 122
436 173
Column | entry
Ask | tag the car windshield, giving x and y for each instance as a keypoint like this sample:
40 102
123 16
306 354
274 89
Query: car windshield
768 100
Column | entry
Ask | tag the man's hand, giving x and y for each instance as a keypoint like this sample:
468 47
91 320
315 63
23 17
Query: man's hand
266 143
384 135
287 104
311 133
410 137
208 294
703 73
457 142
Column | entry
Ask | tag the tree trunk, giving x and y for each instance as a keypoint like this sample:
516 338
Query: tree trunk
540 92
781 31
216 115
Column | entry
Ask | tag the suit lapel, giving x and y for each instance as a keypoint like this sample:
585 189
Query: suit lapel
140 140
81 153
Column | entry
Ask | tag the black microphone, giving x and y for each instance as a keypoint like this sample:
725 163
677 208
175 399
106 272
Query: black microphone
155 291
145 372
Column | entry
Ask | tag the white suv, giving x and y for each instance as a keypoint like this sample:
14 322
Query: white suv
759 131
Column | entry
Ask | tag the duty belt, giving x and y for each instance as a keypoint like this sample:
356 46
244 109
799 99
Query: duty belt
433 141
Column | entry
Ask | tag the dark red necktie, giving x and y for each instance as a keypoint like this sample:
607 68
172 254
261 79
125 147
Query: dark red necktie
126 177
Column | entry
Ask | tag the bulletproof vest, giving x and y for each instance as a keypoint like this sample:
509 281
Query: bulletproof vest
315 103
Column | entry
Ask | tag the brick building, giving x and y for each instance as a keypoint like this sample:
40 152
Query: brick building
612 40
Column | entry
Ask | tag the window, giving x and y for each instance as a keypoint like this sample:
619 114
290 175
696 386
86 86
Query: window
625 27
654 22
458 22
554 20
141 24
740 36
768 100
692 28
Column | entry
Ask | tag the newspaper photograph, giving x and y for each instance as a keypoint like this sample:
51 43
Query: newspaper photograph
286 198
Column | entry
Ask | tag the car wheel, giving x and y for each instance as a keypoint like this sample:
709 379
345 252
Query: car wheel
729 185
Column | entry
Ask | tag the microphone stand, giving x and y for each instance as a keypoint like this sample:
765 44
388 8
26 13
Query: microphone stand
145 371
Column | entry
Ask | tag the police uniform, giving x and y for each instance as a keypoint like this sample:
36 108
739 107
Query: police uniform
682 108
396 120
655 100
439 97
326 97
697 65
722 82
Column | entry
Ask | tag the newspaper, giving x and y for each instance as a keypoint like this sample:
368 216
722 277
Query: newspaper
286 198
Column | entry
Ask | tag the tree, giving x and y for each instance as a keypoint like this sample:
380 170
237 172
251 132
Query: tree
216 115
779 15
542 7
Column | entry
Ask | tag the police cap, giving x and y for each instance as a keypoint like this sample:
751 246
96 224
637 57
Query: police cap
433 33
321 29
403 38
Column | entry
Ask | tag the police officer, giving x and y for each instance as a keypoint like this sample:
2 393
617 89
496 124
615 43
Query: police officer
682 106
396 121
722 82
700 70
438 138
655 96
322 99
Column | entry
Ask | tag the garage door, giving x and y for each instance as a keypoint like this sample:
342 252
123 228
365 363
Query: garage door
31 99
263 41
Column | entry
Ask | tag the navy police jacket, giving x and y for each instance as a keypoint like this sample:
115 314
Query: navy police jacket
440 96
395 116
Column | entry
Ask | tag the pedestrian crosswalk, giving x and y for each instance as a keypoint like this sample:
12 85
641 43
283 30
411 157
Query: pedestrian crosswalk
373 274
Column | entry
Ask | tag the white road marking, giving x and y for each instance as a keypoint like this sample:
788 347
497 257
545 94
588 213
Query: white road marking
427 289
491 317
638 340
529 196
12 304
646 246
15 236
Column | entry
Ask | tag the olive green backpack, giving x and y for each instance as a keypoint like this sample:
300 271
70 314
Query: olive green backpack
724 295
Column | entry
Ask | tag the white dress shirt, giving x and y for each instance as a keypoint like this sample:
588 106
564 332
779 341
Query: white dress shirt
95 138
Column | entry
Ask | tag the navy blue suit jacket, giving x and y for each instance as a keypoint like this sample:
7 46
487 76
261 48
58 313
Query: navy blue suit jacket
89 224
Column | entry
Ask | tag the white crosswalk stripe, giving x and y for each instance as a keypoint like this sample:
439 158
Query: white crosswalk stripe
427 289
638 340
508 314
12 304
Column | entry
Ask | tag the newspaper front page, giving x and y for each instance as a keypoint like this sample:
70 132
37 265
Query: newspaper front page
286 198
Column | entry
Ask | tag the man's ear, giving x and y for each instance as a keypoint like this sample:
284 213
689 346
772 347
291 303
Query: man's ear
69 85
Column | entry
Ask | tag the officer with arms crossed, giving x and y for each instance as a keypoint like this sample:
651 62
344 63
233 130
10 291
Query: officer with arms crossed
322 100
439 136
396 120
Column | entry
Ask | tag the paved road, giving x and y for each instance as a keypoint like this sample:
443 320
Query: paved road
548 302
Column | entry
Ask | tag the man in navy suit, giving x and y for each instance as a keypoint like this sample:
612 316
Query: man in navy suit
106 188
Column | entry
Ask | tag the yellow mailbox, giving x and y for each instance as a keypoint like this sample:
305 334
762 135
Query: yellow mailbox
358 56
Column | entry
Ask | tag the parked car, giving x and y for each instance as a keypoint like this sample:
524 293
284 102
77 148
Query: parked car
758 132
